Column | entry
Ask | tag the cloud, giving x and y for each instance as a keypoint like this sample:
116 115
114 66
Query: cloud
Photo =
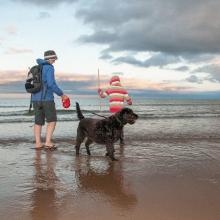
100 37
188 29
89 82
156 60
212 68
212 74
11 30
80 82
1 40
8 76
182 68
44 15
179 28
12 51
213 71
51 3
106 56
194 79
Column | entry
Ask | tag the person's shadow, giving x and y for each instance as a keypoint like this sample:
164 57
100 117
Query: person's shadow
44 194
109 183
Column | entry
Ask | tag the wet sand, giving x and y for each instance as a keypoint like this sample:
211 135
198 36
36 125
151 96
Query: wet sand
153 179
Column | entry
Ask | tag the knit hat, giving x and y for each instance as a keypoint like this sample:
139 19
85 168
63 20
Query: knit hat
50 54
114 79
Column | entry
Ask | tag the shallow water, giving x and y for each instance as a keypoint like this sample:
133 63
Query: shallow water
168 170
152 180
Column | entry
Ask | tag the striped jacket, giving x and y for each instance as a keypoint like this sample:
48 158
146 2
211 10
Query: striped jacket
117 95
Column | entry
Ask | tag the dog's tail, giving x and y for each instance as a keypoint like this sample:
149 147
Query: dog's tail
78 111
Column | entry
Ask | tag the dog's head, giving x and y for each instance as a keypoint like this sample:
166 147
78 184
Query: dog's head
126 115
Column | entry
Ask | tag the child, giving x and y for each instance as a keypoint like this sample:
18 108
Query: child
117 98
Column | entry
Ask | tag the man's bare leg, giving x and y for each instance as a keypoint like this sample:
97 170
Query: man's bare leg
49 133
37 134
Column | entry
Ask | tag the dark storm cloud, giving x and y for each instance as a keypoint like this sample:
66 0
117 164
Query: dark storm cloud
103 56
156 60
51 3
186 28
194 79
182 68
43 15
189 29
213 74
213 70
101 37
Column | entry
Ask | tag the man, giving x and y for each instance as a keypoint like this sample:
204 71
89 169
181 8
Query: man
43 101
118 96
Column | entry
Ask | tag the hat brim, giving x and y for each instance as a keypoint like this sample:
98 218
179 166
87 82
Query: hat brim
51 57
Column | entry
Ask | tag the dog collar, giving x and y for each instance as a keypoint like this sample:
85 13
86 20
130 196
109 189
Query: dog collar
117 119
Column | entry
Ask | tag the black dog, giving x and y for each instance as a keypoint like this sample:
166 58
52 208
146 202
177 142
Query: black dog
105 131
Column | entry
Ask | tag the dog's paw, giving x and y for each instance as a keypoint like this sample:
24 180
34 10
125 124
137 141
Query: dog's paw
114 159
122 144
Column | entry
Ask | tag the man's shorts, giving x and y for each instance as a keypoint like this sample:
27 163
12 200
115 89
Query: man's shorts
44 110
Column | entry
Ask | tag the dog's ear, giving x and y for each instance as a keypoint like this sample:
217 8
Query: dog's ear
122 114
126 111
136 116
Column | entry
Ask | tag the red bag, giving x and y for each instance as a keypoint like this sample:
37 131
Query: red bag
66 103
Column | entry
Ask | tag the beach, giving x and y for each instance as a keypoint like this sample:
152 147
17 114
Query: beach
169 168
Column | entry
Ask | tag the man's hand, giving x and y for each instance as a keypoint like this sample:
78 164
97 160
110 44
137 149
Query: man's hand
64 97
65 101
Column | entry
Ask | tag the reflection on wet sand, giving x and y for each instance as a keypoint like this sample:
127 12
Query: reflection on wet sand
92 176
151 180
44 195
107 180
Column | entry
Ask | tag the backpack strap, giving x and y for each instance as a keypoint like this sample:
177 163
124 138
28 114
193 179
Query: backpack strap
42 83
30 106
41 75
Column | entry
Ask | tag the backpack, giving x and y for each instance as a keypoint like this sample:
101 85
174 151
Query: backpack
33 82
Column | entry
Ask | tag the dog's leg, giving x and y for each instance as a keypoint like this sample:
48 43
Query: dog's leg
88 142
79 139
110 151
122 143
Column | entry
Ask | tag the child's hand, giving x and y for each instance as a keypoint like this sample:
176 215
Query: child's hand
129 102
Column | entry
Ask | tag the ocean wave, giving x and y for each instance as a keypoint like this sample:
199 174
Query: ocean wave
133 140
59 112
13 106
176 116
62 118
22 115
31 120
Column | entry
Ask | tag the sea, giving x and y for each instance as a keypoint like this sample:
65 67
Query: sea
158 118
169 168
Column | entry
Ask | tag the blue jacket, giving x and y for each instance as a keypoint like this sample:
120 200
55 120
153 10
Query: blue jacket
49 83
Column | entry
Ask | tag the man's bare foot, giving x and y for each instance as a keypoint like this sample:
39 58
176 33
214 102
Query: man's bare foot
50 146
38 146
122 144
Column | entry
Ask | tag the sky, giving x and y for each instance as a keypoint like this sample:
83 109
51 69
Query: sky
159 47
